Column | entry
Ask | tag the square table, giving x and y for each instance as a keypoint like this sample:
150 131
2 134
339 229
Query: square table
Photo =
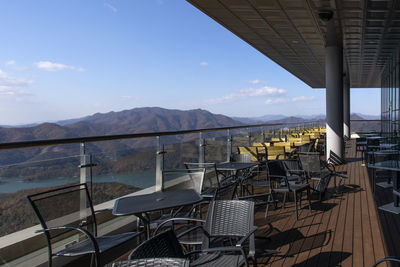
394 166
141 205
372 154
234 168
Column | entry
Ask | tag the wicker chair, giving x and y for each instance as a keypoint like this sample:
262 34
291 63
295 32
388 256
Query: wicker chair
229 221
68 211
319 171
166 245
278 173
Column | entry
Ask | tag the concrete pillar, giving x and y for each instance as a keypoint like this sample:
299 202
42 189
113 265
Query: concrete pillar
334 92
346 107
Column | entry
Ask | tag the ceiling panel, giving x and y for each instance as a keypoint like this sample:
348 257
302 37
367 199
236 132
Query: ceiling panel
290 33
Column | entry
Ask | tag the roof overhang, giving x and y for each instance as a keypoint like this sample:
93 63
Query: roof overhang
291 34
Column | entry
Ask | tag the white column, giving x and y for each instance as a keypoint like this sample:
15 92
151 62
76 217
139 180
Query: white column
346 107
334 93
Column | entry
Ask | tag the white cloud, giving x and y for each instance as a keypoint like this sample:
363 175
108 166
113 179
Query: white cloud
257 82
246 93
203 64
112 8
281 100
10 63
13 65
11 86
51 66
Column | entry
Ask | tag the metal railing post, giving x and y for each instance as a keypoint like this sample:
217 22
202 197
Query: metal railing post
228 146
202 151
262 135
159 165
248 137
83 176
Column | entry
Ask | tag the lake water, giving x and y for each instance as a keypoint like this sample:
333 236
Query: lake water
141 180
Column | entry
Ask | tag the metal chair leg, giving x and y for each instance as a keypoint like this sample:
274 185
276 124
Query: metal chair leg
295 204
309 199
284 200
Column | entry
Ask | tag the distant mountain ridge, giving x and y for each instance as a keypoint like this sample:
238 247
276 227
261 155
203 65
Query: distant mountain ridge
138 120
299 118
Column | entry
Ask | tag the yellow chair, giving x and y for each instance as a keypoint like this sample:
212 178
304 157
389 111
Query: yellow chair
285 144
305 139
250 150
276 152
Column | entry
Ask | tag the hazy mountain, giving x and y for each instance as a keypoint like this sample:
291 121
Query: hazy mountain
138 120
288 120
368 117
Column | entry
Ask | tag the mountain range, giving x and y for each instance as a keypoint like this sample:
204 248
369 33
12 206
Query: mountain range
137 120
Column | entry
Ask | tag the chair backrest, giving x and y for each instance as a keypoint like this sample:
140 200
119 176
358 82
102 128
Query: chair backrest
241 157
183 179
163 245
310 162
285 144
65 206
226 192
211 178
229 218
275 152
305 138
250 150
292 164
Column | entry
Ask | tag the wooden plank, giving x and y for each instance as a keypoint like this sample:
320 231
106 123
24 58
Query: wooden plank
358 235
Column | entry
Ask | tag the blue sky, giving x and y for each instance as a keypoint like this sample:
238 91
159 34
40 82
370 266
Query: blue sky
72 58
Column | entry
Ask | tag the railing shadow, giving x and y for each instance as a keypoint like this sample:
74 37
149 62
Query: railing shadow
329 259
321 206
309 243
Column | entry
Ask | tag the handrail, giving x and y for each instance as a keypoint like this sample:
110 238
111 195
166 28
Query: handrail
366 120
64 141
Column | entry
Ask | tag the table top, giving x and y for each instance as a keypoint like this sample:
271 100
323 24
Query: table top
385 152
170 262
375 137
235 166
155 201
369 134
384 145
391 165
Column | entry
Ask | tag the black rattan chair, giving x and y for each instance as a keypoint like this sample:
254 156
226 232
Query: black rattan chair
230 221
319 171
67 212
166 245
277 172
211 180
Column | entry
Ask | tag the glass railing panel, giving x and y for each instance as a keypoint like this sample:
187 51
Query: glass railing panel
239 138
180 149
122 172
22 179
216 146
256 135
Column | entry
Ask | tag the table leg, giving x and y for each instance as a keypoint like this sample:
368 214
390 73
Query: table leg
146 222
396 189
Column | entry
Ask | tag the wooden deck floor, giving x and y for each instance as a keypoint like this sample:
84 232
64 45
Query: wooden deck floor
342 230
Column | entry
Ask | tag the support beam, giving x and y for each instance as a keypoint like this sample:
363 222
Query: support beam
334 92
346 107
